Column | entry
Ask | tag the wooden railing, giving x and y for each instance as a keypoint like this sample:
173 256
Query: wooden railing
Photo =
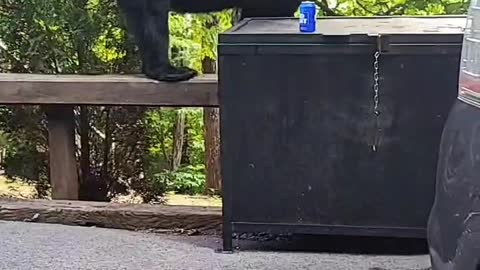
57 94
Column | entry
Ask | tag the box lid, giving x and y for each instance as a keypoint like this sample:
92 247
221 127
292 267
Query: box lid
435 29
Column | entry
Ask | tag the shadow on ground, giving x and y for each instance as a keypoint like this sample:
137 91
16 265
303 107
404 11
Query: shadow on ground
340 244
320 244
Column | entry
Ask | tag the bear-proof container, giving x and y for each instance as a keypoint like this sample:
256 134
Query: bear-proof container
337 131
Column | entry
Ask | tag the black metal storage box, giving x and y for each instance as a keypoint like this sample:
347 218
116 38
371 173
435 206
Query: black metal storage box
303 150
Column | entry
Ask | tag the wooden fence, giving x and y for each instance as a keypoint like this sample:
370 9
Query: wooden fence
57 94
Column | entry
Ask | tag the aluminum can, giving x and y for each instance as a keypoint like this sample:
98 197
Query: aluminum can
308 17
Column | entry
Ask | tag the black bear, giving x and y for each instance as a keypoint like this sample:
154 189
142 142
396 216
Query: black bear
147 21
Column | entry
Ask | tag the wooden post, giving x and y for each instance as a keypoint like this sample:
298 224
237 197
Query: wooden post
63 165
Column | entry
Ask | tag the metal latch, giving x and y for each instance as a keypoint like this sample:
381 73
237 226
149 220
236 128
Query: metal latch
383 43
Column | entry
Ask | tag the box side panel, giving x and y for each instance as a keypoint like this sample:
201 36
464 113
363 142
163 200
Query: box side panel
297 134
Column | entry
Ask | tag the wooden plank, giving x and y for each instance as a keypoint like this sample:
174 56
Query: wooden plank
106 90
110 215
63 165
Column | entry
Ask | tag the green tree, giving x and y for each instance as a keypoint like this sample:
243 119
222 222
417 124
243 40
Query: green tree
391 7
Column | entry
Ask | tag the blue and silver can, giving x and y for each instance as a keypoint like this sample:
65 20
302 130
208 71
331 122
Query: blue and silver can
308 17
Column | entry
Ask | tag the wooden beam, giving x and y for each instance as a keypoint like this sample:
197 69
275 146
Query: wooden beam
110 215
63 165
115 90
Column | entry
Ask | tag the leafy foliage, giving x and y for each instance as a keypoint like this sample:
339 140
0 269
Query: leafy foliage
391 7
187 180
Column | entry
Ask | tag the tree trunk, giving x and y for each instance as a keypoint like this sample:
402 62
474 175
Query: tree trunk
163 143
85 187
107 145
84 143
187 142
211 121
178 140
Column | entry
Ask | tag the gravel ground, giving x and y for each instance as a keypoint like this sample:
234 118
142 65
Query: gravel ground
45 246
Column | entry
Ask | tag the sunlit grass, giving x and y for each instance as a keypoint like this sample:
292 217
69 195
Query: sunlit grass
15 189
19 189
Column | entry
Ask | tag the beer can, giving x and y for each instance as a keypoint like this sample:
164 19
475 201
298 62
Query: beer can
308 17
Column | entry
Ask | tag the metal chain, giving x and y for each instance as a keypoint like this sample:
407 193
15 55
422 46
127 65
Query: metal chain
376 98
